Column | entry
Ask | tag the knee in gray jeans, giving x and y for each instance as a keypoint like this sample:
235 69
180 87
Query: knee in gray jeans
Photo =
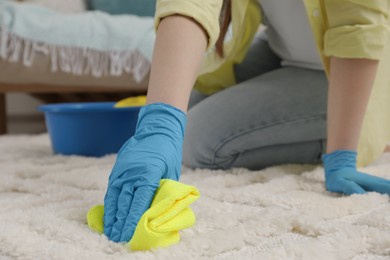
201 150
275 118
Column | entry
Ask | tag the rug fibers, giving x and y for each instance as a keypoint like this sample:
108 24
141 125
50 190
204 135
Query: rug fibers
281 212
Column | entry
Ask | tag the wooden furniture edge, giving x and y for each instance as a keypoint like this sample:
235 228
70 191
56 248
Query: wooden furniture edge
3 115
37 88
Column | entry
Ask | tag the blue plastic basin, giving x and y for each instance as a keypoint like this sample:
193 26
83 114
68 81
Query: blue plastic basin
89 129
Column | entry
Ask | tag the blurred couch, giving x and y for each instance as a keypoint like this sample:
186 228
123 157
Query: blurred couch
136 7
64 6
53 73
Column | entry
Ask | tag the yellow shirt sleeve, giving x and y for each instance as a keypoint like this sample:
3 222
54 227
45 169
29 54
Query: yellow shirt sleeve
360 29
205 12
356 28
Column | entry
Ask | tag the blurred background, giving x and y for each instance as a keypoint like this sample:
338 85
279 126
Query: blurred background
22 114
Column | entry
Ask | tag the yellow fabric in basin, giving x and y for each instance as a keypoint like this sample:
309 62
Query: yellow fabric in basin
131 102
159 226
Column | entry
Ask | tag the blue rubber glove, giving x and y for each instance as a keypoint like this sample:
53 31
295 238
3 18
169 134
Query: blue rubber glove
342 176
152 154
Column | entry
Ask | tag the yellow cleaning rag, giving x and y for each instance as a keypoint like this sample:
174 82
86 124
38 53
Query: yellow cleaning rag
159 226
132 102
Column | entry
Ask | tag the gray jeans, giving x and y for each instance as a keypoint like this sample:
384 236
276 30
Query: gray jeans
274 115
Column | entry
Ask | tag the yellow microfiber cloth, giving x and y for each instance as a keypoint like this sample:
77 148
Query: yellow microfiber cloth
159 226
131 102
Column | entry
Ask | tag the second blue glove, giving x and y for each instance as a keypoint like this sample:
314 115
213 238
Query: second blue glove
342 176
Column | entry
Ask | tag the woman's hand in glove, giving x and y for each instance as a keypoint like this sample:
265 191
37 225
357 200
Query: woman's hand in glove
152 154
342 176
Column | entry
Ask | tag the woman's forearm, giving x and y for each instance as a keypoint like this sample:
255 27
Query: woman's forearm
350 85
178 54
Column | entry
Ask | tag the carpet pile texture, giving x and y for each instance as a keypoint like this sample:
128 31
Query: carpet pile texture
281 212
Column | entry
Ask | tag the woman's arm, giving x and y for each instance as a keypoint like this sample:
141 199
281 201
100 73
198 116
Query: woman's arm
357 34
178 53
350 85
351 82
156 148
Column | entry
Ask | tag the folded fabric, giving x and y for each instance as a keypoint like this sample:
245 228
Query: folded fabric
160 224
131 102
87 43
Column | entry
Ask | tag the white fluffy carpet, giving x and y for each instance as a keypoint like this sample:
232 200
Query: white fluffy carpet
278 213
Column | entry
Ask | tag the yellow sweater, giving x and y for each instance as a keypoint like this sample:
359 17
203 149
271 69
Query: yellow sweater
342 28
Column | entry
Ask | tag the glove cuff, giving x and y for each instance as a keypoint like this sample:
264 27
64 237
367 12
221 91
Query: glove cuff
339 159
161 115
